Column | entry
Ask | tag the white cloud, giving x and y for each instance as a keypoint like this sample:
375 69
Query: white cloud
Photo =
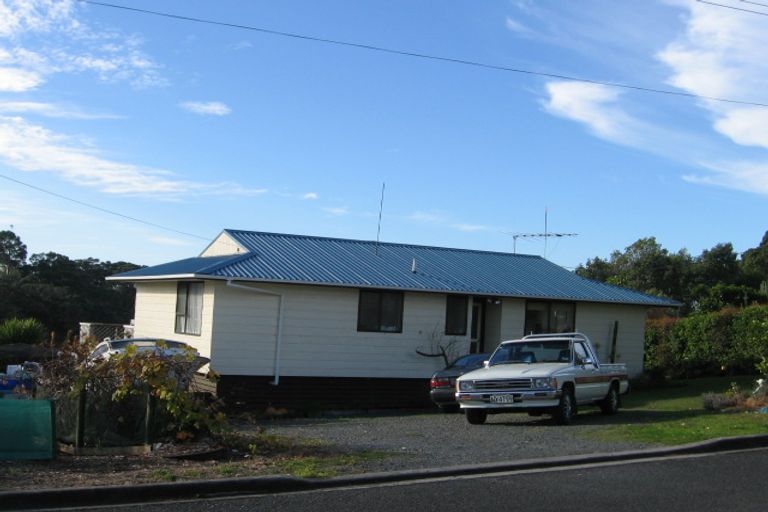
516 26
310 196
721 53
18 80
68 45
591 104
338 211
49 110
166 240
421 216
33 148
211 108
745 126
471 227
19 16
740 175
242 45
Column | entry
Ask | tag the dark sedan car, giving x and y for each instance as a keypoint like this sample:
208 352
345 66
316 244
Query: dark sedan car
442 385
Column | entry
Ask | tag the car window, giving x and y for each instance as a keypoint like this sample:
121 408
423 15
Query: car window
581 352
544 351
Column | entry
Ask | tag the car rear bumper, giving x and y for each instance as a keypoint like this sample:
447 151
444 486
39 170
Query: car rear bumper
443 396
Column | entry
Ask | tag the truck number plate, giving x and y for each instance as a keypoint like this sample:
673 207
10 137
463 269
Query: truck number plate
502 399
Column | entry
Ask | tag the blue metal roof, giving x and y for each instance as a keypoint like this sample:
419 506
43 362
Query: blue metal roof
276 257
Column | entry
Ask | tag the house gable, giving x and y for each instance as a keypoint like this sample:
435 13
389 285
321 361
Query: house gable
223 245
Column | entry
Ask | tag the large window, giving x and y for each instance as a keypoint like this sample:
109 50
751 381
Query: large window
546 317
456 315
189 308
380 311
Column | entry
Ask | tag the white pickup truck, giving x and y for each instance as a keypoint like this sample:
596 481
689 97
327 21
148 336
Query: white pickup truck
542 373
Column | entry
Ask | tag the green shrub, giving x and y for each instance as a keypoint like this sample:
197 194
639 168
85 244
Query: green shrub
707 344
750 331
26 330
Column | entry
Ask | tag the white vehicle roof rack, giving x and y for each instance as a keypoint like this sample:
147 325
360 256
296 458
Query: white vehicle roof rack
569 335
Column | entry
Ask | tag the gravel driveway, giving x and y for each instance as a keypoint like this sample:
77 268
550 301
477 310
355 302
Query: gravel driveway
423 440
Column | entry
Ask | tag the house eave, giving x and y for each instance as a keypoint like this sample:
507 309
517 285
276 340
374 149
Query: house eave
166 277
172 277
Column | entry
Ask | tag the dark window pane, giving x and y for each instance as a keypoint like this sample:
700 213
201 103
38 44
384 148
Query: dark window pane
368 311
391 312
562 317
456 315
546 317
536 316
380 311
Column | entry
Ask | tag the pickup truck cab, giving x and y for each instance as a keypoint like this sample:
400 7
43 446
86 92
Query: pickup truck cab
542 373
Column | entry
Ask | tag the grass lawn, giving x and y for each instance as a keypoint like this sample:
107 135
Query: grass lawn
675 415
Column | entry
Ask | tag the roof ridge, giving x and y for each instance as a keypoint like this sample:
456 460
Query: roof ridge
390 244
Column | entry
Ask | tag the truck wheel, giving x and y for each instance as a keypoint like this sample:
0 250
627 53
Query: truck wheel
476 416
566 409
610 404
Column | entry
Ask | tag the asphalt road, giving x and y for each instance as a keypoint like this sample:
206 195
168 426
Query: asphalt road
732 481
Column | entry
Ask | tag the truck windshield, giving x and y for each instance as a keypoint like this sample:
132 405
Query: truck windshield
552 351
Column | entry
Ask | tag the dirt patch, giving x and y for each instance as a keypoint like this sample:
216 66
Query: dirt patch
85 471
247 451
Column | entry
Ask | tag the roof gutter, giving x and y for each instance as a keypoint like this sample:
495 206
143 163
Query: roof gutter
279 338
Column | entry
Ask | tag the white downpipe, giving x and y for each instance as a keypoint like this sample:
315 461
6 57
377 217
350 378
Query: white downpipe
279 340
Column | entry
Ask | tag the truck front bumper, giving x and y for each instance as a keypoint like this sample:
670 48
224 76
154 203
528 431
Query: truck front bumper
533 399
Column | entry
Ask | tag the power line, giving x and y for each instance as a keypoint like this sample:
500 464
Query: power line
421 55
104 210
754 3
733 7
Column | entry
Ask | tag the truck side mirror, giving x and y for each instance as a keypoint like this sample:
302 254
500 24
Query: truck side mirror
486 364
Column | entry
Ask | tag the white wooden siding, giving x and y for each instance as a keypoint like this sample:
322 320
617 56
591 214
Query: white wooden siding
224 245
320 336
597 320
512 319
156 315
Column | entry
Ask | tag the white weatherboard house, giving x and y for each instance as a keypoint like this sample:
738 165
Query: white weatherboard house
301 321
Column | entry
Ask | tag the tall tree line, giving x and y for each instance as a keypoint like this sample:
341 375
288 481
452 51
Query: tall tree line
59 291
717 278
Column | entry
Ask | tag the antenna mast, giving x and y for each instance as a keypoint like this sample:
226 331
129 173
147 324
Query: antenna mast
381 209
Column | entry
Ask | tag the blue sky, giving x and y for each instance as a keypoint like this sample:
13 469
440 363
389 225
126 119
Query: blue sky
198 127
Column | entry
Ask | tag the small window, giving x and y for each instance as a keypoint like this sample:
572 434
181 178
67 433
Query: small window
456 315
380 311
189 308
546 317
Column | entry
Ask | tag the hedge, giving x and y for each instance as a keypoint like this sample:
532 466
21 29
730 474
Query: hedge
729 341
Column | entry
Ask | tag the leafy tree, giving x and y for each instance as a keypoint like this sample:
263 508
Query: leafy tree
61 292
754 264
13 253
718 265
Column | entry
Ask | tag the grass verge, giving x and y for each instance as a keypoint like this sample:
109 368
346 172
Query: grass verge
327 466
676 415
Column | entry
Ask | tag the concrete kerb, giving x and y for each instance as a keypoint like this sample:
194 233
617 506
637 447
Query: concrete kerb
106 495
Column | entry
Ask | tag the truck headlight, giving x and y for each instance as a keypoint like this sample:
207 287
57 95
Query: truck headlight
466 385
545 382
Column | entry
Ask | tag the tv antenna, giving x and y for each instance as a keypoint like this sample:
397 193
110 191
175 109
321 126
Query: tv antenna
381 209
546 235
